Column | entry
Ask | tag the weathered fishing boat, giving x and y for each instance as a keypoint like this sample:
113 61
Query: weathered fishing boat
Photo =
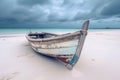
65 48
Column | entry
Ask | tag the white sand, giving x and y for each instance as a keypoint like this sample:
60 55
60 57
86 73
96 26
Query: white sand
99 60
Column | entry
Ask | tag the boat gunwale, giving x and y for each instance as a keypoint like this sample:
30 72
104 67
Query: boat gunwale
77 33
80 35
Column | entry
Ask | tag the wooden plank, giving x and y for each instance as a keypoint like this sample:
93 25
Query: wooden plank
80 46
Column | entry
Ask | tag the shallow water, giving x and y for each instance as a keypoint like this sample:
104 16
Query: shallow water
22 30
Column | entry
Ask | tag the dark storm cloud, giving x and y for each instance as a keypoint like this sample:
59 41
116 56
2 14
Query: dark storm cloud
24 14
6 7
92 10
8 20
112 9
56 12
56 16
33 2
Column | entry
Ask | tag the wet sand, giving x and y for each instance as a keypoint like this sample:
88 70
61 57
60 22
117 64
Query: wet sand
99 60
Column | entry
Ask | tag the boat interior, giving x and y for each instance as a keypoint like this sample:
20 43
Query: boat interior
41 35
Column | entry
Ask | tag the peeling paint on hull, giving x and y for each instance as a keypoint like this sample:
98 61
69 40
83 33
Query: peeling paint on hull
64 52
65 48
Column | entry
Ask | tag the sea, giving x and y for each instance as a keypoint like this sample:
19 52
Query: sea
53 30
24 30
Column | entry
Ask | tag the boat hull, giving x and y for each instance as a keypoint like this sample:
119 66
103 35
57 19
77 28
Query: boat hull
65 48
63 51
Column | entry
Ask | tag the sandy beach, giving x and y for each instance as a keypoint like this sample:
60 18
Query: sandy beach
99 60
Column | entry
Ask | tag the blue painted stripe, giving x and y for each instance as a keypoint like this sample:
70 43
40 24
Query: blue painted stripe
74 60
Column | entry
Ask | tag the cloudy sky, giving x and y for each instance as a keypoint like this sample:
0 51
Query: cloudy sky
59 13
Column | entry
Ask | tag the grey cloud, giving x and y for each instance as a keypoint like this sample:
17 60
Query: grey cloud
56 17
73 4
90 10
8 20
112 9
26 14
96 8
37 12
6 7
33 2
65 10
6 12
82 16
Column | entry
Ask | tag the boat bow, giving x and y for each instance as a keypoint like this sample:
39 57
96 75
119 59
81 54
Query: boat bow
83 34
65 48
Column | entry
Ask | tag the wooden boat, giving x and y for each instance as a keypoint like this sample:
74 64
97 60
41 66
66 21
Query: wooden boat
65 48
